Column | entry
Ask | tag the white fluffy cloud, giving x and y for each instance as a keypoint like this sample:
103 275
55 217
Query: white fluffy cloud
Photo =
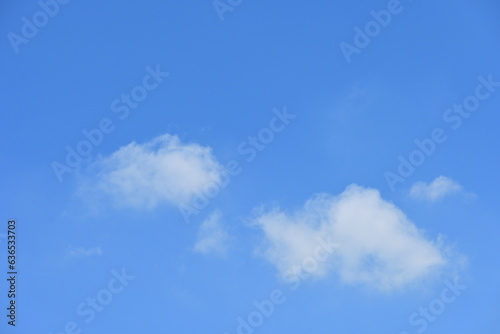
164 170
435 190
212 236
375 243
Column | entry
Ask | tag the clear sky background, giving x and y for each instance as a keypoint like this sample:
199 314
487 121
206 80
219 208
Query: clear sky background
229 74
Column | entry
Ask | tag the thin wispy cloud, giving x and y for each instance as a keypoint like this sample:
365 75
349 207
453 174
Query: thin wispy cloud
213 237
435 190
163 170
376 244
84 252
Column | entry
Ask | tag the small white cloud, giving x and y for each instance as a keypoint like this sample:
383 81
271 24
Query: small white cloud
212 236
85 252
437 189
164 170
369 240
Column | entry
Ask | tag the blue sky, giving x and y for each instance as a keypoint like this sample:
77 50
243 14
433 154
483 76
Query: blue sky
228 167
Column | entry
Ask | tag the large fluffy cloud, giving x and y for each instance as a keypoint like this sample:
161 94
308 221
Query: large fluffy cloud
164 170
375 243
